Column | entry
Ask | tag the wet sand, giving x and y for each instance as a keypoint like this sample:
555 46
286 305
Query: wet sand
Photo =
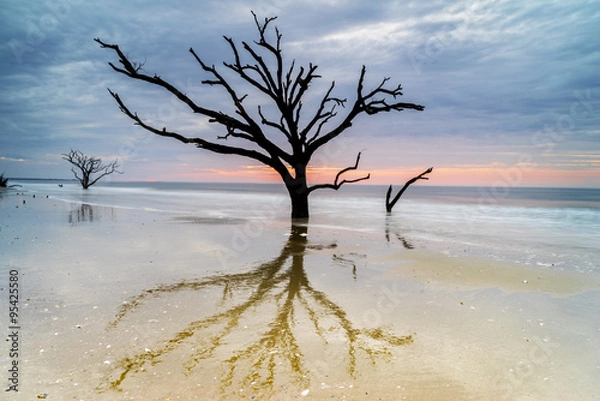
123 304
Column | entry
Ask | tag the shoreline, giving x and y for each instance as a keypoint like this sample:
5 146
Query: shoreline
407 308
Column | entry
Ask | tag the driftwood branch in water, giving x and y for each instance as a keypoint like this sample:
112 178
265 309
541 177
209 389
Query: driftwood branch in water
389 205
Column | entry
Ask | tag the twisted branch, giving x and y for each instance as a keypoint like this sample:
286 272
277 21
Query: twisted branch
337 183
389 205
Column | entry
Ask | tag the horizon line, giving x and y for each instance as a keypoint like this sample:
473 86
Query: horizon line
282 184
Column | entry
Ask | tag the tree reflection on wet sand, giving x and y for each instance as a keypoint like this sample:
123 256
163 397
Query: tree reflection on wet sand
288 310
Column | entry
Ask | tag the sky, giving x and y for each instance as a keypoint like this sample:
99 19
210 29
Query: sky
511 89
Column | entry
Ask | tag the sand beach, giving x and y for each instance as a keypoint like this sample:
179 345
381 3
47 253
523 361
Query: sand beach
154 303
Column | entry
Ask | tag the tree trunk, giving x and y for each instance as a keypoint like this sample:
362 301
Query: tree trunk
85 181
299 201
298 189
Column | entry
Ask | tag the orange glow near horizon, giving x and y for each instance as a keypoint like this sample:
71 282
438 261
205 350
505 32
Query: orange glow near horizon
443 176
494 176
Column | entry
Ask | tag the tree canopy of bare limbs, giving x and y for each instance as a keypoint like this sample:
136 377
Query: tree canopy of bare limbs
91 168
260 64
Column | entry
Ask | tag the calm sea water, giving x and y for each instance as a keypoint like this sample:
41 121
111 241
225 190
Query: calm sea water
556 228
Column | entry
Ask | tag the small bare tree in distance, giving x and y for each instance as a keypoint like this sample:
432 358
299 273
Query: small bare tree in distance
88 166
3 181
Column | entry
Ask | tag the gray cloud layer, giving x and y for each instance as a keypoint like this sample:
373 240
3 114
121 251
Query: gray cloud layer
498 78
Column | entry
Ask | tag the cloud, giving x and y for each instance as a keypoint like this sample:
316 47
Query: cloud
499 79
12 159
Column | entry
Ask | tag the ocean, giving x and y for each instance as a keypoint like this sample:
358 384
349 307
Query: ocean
552 228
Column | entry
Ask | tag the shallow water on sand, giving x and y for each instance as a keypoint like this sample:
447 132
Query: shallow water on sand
547 227
179 293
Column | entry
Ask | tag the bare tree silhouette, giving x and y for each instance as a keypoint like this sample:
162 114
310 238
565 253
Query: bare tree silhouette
260 65
4 182
88 166
280 288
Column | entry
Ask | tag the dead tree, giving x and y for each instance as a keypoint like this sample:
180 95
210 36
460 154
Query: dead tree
3 181
260 64
88 166
389 205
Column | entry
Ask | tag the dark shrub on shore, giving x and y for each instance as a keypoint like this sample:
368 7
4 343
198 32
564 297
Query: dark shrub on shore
3 181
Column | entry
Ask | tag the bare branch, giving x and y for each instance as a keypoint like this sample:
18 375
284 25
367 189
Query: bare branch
109 169
389 205
301 84
266 85
250 131
279 126
337 183
262 28
322 117
227 121
366 104
199 142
